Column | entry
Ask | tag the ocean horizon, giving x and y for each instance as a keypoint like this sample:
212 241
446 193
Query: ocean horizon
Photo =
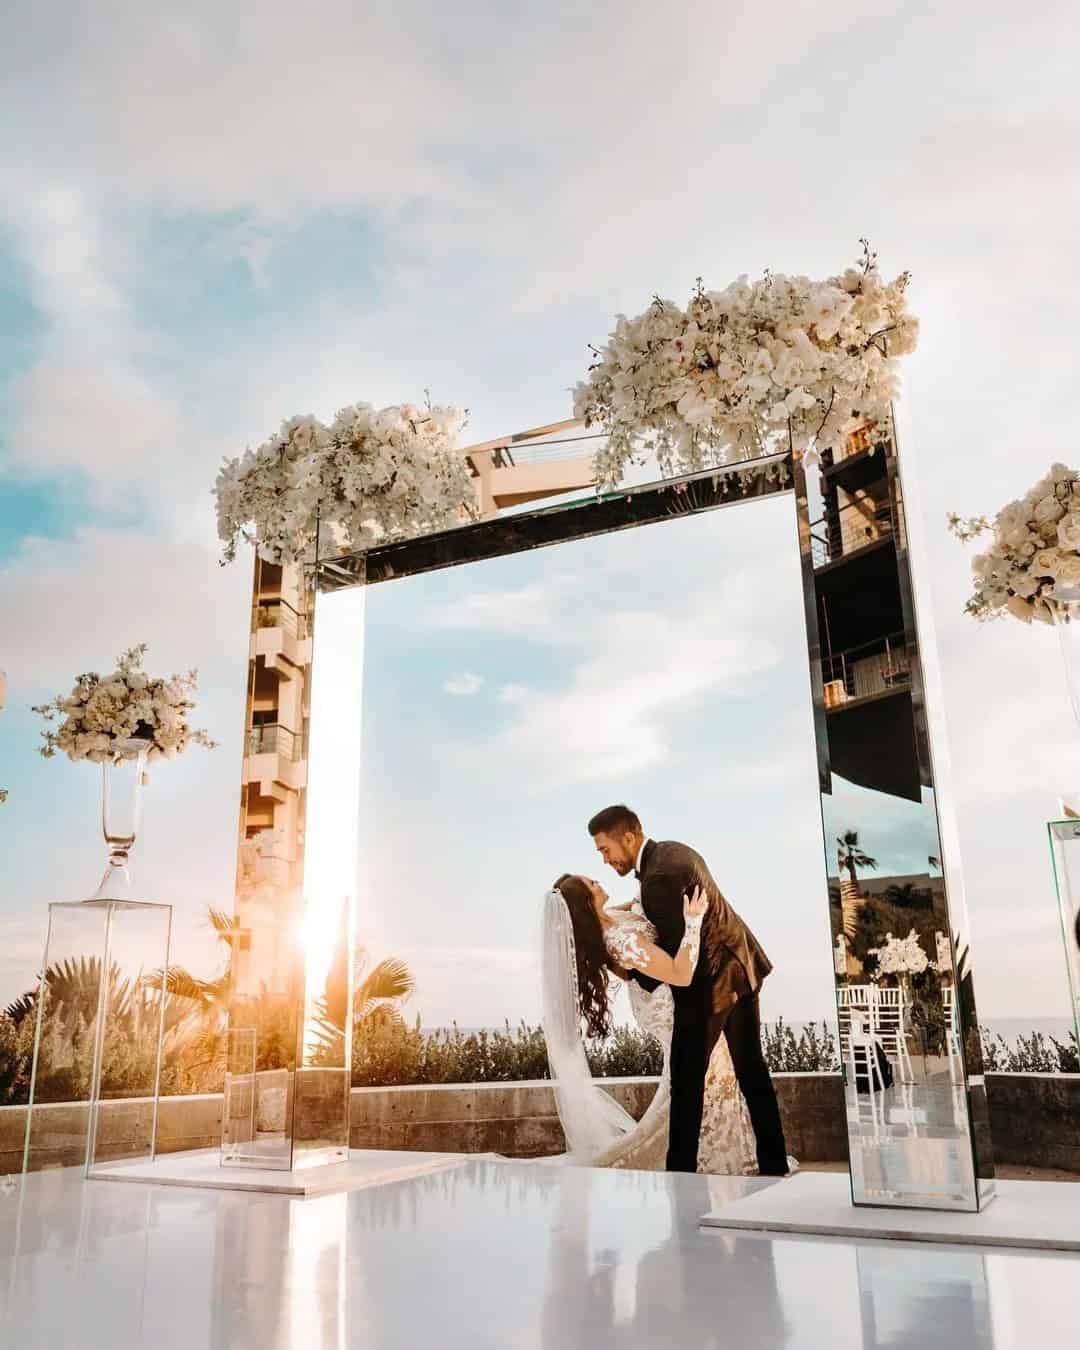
1009 1028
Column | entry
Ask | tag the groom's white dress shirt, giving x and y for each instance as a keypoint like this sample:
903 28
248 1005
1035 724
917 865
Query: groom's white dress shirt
637 861
635 904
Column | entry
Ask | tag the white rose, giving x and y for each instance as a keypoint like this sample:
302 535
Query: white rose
1025 585
1068 571
1048 531
1046 562
1068 531
1012 517
1049 508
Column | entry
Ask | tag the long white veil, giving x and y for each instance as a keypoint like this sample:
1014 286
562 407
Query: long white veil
592 1119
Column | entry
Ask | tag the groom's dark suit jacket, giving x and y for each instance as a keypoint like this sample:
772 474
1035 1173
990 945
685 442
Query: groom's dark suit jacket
733 963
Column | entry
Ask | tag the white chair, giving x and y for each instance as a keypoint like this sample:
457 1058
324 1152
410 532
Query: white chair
862 1063
952 1033
889 1010
857 999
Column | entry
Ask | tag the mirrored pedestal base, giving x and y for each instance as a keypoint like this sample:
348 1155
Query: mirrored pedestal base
202 1169
1065 852
1033 1214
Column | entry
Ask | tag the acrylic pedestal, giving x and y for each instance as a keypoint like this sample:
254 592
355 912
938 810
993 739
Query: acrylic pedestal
99 1023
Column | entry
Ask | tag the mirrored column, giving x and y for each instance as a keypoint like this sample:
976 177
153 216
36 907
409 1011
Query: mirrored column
292 968
1065 850
915 1096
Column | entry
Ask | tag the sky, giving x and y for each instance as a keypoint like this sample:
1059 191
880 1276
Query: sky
207 225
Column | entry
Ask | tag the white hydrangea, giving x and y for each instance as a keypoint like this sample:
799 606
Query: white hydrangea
901 956
742 371
101 715
1032 567
371 476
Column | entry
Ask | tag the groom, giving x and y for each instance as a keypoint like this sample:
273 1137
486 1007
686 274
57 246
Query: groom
721 1000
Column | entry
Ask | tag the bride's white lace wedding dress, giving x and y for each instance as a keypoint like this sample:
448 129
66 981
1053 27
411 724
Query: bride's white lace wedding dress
727 1144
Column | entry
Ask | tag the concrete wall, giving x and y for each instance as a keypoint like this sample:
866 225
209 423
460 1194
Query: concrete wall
124 1128
1035 1118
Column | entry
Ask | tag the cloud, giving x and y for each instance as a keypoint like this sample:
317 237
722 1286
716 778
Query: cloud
628 695
534 611
22 942
464 685
80 416
74 605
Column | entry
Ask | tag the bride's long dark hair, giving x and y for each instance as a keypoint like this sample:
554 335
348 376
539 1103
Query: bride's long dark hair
593 962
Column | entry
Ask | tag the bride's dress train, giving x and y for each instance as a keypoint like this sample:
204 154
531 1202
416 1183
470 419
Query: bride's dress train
599 1132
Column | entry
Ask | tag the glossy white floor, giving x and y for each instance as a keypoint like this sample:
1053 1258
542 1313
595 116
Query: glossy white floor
487 1255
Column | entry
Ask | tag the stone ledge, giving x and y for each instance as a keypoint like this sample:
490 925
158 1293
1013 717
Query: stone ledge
1035 1119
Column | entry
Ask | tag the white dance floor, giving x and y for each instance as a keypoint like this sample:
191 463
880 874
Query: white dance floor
486 1256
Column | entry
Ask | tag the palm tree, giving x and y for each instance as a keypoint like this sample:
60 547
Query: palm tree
850 857
376 1000
197 1010
74 985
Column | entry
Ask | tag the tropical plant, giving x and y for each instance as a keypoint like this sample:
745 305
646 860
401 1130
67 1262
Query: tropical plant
849 857
394 1054
812 1051
1034 1053
377 999
196 1017
906 895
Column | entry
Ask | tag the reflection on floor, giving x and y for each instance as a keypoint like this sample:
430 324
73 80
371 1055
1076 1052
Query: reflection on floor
486 1255
911 1142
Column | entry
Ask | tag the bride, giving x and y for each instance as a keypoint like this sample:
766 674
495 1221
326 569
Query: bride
585 941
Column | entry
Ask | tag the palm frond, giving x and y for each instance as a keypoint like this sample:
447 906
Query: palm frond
225 925
22 1007
390 979
180 983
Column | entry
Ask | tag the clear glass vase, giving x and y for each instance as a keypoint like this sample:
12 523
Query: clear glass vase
121 804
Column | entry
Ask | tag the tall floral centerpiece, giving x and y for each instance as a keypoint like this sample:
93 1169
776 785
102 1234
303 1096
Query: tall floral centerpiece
121 721
1031 569
757 367
372 476
900 957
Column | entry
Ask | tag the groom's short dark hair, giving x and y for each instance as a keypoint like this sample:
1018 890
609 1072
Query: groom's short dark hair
615 820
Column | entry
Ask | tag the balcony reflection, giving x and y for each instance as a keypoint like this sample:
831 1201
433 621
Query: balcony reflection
271 738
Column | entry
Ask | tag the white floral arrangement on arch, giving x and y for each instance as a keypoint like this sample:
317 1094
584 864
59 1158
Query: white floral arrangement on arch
756 367
1032 567
372 476
104 714
901 956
